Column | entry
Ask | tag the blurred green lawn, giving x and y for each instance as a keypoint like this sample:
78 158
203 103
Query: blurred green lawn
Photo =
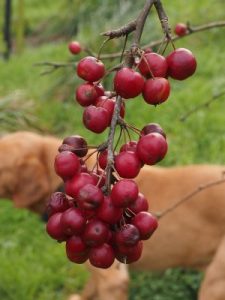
32 265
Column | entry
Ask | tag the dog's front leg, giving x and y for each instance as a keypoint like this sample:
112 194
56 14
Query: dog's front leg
213 285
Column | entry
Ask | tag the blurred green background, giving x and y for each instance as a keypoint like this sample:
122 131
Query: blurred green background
32 266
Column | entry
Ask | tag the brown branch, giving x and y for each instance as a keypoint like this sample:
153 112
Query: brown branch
140 22
53 66
163 19
122 31
190 195
202 105
155 43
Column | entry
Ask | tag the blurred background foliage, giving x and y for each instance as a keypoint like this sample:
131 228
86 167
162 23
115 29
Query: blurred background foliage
33 266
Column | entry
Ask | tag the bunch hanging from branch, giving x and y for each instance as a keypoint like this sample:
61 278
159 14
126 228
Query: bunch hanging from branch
103 216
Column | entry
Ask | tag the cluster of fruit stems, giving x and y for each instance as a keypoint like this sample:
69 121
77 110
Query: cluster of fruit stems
137 26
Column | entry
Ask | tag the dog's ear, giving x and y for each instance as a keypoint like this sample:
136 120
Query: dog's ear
32 183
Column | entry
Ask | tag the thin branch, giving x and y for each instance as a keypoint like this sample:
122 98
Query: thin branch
122 31
54 66
198 190
156 43
163 19
140 22
202 105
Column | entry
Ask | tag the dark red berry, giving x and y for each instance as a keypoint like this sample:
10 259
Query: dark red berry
73 221
57 203
96 233
140 204
132 256
95 119
152 148
124 192
75 245
67 164
86 94
108 213
75 144
102 256
130 146
74 185
181 64
128 83
153 64
90 197
153 127
127 164
146 224
156 90
90 69
127 236
54 227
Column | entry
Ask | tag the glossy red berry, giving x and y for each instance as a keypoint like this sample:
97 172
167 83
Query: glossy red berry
130 146
90 69
152 148
57 203
74 185
78 258
96 233
127 236
180 29
156 90
109 213
146 224
129 255
67 164
181 64
102 159
109 104
74 47
90 197
128 83
76 144
72 221
124 192
153 127
95 119
86 94
54 227
102 256
75 245
127 164
153 64
140 204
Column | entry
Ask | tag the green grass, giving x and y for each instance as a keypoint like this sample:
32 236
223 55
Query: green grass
32 265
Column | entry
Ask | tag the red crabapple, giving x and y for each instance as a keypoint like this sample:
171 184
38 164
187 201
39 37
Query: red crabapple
127 164
128 235
102 256
86 94
181 29
146 223
128 83
124 192
156 90
67 164
72 221
90 69
95 119
153 64
75 144
74 47
89 197
181 64
54 227
153 127
57 203
109 213
96 233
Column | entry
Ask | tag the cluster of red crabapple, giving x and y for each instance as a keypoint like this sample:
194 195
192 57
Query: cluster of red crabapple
96 224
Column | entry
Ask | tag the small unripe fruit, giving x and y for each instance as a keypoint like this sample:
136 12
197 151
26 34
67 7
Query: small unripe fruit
74 47
180 29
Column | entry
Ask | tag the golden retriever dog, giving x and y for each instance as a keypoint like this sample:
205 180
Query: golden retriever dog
192 235
27 169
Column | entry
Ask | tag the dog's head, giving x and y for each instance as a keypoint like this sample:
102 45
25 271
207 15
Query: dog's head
27 173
